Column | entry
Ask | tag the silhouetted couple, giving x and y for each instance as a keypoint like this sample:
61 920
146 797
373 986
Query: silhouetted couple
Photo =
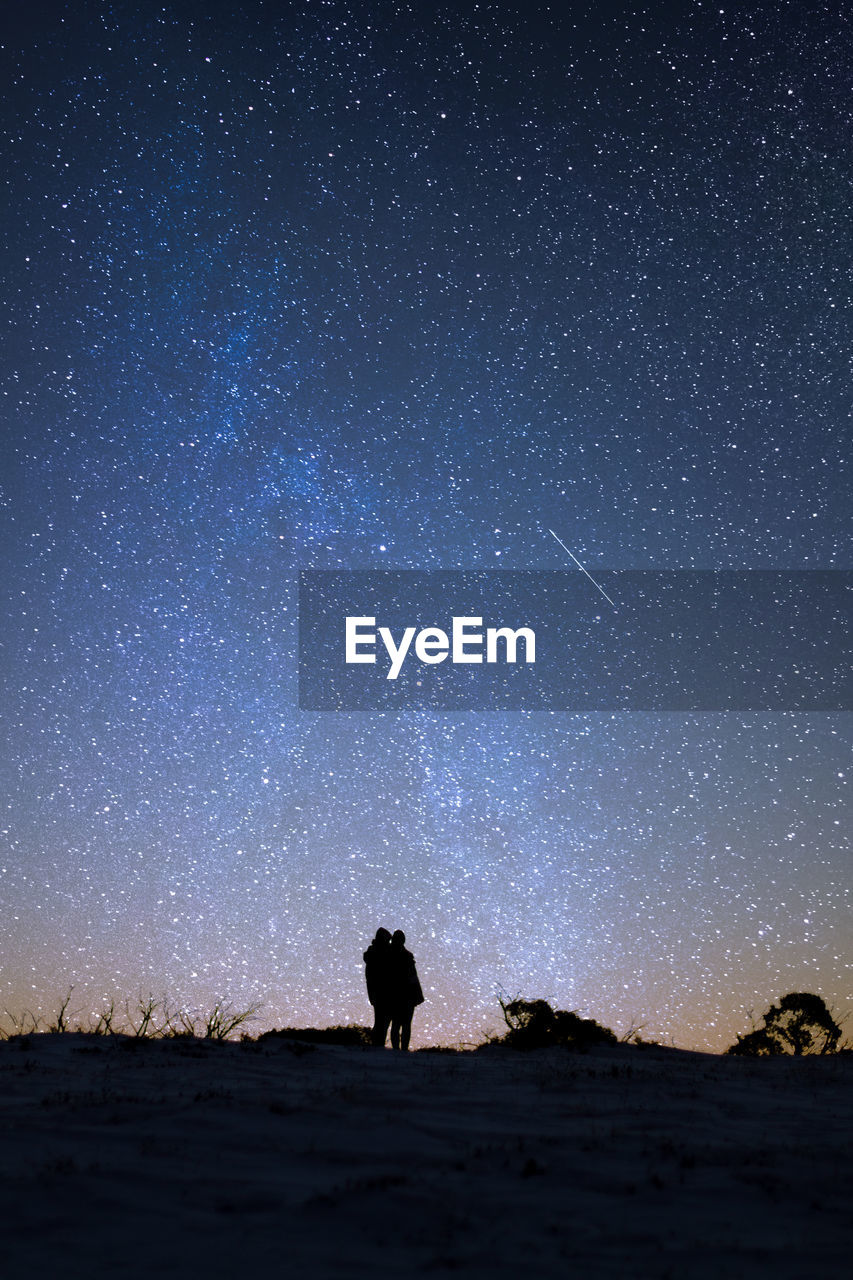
393 987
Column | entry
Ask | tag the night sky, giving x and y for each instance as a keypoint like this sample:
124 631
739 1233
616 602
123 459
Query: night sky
402 285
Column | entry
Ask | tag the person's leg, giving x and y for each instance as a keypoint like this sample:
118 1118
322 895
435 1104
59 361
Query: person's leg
395 1032
381 1018
406 1029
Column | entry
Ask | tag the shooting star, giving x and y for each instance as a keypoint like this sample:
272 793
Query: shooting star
580 566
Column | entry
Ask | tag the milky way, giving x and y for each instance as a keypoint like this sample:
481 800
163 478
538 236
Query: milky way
406 286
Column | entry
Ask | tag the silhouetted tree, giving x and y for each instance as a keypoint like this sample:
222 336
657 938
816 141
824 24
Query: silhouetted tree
799 1024
533 1024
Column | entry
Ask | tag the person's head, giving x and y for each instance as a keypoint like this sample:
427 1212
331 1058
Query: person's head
383 937
399 938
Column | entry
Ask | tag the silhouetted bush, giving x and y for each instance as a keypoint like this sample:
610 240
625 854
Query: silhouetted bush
799 1024
533 1024
351 1035
147 1019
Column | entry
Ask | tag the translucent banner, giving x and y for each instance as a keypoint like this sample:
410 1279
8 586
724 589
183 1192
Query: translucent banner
671 640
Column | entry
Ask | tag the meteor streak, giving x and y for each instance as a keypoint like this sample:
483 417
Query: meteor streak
580 566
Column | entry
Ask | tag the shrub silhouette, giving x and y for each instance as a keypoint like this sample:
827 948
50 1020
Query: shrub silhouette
533 1024
350 1035
799 1024
148 1019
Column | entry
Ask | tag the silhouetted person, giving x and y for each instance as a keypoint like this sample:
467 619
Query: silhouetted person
377 974
406 991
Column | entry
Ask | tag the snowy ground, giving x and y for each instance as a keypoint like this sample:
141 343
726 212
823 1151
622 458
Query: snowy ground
139 1158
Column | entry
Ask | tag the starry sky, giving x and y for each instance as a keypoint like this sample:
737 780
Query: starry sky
332 285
